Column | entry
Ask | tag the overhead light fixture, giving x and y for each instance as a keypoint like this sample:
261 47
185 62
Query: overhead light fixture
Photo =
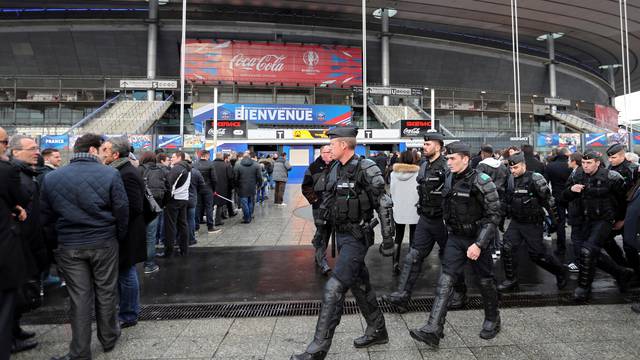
555 35
612 66
162 2
377 13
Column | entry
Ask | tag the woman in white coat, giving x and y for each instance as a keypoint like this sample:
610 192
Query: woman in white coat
404 192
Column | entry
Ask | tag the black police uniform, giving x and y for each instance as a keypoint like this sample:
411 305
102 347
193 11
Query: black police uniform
313 188
602 201
575 214
429 230
354 191
471 212
629 172
528 195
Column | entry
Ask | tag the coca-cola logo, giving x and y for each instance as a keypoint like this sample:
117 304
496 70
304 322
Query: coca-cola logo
411 132
273 63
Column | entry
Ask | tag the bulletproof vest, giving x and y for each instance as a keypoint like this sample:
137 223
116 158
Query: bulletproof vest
352 203
523 204
462 208
598 203
430 187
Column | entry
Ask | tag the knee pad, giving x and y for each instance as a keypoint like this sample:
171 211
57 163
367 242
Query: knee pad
413 256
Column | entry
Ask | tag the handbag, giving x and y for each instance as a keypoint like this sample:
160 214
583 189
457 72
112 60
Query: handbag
151 206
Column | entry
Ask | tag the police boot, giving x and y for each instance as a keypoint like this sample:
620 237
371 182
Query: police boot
491 324
408 277
633 260
586 264
622 274
552 265
376 332
510 282
433 330
329 318
459 297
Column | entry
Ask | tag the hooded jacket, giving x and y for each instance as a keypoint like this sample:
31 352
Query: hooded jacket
497 171
281 170
247 177
404 192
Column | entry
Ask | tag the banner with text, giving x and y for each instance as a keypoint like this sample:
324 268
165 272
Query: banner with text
59 142
261 62
416 128
227 129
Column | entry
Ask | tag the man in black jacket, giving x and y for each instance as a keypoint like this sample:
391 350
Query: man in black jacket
224 188
313 188
205 198
175 219
247 177
557 173
12 264
532 163
24 155
115 153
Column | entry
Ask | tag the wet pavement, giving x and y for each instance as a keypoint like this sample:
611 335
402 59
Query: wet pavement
271 260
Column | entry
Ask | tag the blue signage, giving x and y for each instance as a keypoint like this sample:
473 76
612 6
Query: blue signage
169 141
274 114
60 142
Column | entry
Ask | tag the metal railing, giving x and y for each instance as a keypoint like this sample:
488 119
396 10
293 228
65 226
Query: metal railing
93 114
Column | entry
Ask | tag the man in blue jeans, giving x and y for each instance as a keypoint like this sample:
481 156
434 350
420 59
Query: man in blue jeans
133 250
247 179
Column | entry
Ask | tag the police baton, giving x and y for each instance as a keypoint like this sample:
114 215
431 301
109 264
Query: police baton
222 197
333 242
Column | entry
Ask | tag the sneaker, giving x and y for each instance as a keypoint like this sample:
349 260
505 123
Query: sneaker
214 231
547 237
151 269
573 268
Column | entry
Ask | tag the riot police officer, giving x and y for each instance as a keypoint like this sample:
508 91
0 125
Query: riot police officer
430 228
602 196
355 188
527 196
629 171
471 211
313 188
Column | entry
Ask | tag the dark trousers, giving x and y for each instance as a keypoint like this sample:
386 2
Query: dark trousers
323 233
561 235
279 195
577 238
92 279
595 233
175 224
455 258
7 308
205 207
429 231
400 233
530 234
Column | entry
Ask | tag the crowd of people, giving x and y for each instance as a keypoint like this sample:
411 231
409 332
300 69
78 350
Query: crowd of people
86 225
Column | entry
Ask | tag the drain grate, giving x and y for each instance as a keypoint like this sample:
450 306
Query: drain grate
312 308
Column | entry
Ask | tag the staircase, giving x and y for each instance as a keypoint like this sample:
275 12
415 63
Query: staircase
126 117
579 121
390 116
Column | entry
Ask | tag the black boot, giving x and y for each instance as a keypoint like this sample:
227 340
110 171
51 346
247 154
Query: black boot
622 274
585 277
459 297
408 277
491 324
329 318
552 265
21 334
376 332
22 345
510 282
433 330
636 308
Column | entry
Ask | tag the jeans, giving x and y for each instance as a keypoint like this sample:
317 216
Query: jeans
247 207
261 193
279 195
160 234
92 282
176 225
129 289
152 231
191 220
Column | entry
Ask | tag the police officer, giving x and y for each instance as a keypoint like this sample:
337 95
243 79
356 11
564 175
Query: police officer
471 212
499 174
430 228
527 196
313 188
629 171
355 188
602 196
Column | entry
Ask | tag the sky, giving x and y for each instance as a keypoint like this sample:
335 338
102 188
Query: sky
633 107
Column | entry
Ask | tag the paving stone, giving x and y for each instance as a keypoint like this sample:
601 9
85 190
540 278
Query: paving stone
206 327
395 355
507 352
252 326
243 345
460 353
601 350
556 351
190 346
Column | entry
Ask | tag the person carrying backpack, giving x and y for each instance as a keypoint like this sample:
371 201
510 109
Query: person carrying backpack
155 178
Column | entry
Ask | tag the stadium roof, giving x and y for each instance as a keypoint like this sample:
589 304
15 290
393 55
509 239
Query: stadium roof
591 27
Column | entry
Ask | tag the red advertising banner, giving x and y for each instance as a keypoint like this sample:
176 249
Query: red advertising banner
259 62
607 117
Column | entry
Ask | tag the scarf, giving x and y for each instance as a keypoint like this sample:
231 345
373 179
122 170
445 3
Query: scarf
119 163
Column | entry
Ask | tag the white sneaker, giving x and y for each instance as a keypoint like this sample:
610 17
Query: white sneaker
573 268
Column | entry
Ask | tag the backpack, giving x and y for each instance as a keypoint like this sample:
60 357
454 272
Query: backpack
268 166
156 180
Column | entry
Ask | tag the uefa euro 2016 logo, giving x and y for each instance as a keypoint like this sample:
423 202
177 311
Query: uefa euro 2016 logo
311 59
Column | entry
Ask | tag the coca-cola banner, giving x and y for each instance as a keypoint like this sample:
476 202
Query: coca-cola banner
227 129
416 128
273 114
258 62
607 117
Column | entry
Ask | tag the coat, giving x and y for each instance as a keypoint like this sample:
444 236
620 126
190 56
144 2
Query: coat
247 177
208 172
557 173
12 263
224 175
87 203
281 170
404 192
314 180
198 186
133 249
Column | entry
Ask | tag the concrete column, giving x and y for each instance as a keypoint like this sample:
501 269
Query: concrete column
612 77
152 45
385 53
552 76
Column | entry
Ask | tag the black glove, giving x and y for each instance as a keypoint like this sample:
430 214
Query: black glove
387 248
319 222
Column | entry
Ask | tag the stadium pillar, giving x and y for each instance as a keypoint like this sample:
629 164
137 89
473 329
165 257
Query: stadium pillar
385 52
550 38
152 45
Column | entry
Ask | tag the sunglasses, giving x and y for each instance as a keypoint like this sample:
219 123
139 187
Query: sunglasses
5 142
